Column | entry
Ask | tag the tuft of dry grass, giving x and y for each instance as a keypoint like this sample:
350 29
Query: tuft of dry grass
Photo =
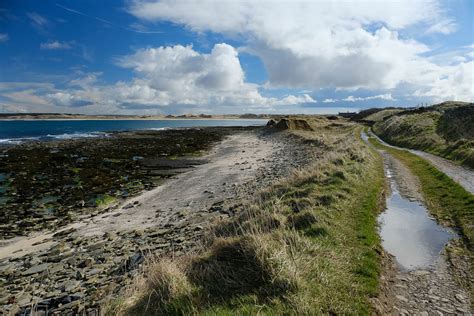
254 264
301 220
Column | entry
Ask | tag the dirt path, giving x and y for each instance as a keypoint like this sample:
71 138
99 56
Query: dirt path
423 290
462 175
231 163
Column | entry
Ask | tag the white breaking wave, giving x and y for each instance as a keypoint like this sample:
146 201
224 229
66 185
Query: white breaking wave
76 135
16 141
159 128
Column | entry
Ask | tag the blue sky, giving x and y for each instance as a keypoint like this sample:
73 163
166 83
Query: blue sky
150 57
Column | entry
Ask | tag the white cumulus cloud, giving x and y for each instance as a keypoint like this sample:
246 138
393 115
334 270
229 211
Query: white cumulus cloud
180 75
321 44
386 96
176 77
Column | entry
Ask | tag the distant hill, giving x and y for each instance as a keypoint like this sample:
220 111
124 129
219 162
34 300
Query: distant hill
445 129
67 116
375 114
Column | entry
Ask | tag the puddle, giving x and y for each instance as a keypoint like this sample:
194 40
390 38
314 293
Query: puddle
408 232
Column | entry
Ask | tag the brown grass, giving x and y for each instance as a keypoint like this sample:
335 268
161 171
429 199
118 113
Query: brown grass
306 245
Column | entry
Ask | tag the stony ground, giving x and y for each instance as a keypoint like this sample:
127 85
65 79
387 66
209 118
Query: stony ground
72 270
429 292
46 185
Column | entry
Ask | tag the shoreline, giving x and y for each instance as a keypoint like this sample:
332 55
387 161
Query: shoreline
59 179
119 238
138 119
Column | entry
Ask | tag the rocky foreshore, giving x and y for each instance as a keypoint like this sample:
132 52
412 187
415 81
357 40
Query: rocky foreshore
73 270
45 185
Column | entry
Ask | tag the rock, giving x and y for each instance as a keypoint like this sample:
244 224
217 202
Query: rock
4 299
110 235
138 233
87 263
36 269
401 298
460 298
180 239
24 299
98 245
34 261
445 310
6 268
56 268
69 286
420 272
52 294
162 245
93 272
158 232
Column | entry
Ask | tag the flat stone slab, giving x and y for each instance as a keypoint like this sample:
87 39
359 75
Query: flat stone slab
37 269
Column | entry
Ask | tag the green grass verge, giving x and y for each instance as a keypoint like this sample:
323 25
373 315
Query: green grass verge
308 245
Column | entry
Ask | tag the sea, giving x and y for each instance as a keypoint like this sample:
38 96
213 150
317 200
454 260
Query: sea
18 131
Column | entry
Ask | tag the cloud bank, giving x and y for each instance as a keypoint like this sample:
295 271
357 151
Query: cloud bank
352 48
329 44
170 79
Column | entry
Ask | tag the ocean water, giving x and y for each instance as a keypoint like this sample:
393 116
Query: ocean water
14 132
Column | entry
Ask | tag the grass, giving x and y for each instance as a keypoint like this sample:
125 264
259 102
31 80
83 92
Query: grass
306 245
446 131
104 200
447 201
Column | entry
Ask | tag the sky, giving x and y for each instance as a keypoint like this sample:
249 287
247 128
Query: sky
237 56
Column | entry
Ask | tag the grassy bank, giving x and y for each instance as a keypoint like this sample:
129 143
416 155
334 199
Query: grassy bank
306 245
445 130
449 202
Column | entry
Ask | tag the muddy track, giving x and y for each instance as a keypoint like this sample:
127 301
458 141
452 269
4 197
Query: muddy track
424 289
